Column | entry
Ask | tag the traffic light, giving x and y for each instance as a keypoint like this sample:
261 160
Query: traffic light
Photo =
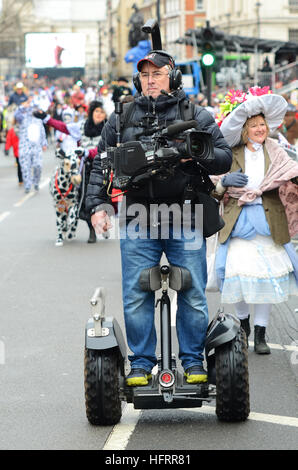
192 38
219 41
208 46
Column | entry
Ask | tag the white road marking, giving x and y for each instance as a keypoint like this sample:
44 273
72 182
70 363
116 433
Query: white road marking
24 199
291 347
31 194
253 416
280 347
121 433
4 215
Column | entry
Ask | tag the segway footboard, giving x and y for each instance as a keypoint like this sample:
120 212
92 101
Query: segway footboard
178 395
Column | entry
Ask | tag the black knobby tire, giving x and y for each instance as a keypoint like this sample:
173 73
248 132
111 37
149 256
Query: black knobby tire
232 383
101 379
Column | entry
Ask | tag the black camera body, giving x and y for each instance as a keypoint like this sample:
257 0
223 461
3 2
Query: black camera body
133 163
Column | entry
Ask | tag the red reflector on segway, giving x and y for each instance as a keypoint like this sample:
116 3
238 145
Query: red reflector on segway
166 378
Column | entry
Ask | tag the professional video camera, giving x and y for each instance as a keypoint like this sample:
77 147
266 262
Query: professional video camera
133 163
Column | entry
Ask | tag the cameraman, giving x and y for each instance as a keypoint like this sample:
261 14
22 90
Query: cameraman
158 100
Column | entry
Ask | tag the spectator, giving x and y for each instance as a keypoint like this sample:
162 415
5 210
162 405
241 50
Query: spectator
18 96
121 89
77 97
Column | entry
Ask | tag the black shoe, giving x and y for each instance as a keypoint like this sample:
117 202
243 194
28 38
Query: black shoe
92 236
245 325
260 346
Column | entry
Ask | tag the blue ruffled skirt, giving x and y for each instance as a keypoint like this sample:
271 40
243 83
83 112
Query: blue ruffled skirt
251 267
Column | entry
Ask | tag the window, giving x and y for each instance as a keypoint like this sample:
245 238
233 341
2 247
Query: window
173 30
293 35
293 5
199 5
172 6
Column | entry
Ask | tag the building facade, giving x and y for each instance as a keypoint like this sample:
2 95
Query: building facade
264 19
105 24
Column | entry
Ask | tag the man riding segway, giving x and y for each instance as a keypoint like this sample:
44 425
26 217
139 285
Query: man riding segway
161 99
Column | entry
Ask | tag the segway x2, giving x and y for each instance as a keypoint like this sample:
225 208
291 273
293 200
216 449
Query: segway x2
105 358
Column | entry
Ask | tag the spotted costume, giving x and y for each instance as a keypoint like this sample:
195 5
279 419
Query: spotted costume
64 190
32 138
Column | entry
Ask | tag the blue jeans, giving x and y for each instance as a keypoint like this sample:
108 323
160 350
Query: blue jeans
192 312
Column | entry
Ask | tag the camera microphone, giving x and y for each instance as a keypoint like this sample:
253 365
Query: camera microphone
179 127
164 92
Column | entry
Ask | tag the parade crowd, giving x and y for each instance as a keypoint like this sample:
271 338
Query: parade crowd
65 101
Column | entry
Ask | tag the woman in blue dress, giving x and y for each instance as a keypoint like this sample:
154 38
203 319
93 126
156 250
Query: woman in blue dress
256 263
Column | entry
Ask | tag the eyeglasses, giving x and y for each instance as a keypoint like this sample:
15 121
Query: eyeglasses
156 75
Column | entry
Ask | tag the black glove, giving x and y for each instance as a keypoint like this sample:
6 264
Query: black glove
6 152
40 114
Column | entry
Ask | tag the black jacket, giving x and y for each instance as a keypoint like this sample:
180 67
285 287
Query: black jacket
167 110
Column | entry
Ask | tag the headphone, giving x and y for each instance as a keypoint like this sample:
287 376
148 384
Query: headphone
175 75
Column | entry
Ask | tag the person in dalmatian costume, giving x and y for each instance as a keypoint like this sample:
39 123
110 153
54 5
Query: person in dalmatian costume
31 144
85 134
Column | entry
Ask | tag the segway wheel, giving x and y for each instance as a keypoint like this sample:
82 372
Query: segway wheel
232 383
101 380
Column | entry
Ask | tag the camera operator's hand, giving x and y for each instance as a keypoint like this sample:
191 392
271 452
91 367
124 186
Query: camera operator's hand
101 222
236 178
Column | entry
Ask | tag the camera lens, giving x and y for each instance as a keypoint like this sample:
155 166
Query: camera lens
200 145
197 146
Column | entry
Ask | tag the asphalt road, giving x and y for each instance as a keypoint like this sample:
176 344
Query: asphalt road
44 305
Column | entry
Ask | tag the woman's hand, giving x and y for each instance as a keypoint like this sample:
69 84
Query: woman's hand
236 179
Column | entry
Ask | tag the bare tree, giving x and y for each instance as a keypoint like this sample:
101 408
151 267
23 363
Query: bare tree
12 12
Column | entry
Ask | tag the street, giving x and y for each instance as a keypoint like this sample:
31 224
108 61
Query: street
45 292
